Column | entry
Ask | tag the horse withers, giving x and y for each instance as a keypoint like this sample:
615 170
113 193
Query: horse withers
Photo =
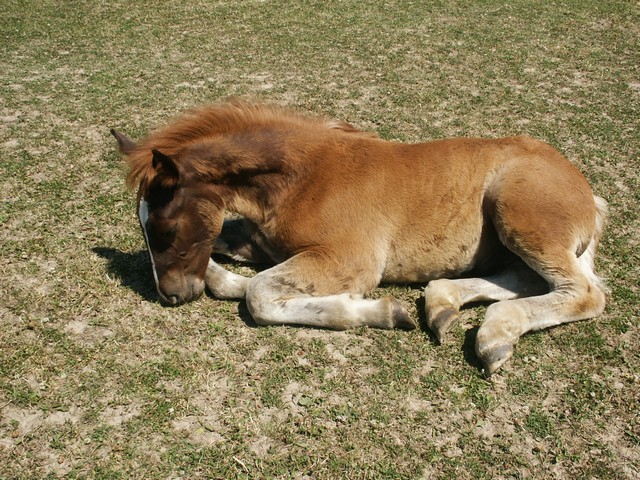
337 211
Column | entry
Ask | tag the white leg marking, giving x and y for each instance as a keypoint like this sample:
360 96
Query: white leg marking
333 311
224 284
271 303
143 216
221 247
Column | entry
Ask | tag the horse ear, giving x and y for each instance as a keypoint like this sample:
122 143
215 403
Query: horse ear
125 144
166 169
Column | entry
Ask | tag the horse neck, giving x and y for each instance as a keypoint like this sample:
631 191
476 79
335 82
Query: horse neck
252 172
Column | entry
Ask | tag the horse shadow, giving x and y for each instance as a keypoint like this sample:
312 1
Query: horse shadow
468 347
133 272
131 269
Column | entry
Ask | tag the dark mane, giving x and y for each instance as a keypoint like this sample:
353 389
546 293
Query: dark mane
217 119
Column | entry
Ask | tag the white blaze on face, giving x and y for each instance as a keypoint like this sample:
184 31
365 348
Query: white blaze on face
143 215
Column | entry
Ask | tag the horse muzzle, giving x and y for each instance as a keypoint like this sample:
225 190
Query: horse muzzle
177 290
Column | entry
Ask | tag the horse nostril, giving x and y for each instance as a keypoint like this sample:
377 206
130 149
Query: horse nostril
173 300
176 293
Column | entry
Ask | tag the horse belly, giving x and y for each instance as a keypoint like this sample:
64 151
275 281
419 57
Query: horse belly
438 256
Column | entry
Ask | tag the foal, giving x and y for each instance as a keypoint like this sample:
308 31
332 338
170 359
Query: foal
338 211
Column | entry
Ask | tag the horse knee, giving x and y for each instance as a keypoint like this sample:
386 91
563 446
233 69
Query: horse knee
259 302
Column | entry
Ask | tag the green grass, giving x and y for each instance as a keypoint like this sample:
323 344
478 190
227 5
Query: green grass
98 380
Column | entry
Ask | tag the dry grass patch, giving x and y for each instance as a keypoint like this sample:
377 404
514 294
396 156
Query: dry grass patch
98 380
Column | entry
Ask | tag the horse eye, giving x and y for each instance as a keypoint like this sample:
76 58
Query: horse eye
166 227
165 230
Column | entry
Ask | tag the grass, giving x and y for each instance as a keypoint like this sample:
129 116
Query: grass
98 380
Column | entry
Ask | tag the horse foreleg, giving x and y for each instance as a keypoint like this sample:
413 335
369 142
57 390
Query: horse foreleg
278 297
443 298
224 284
336 312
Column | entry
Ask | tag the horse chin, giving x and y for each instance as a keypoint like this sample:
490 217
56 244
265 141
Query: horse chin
188 290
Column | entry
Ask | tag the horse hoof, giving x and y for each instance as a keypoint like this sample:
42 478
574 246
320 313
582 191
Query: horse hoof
493 358
443 322
400 316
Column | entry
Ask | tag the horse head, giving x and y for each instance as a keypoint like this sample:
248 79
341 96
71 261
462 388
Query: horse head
180 216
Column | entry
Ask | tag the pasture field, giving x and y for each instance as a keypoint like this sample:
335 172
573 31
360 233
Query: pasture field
99 380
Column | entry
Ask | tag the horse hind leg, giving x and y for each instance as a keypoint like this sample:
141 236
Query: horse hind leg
575 291
575 298
444 297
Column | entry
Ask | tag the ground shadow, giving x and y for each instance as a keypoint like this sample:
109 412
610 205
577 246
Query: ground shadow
224 260
422 320
245 316
469 345
469 349
134 272
132 269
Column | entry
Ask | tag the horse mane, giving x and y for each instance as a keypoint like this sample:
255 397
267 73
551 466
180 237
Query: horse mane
219 119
